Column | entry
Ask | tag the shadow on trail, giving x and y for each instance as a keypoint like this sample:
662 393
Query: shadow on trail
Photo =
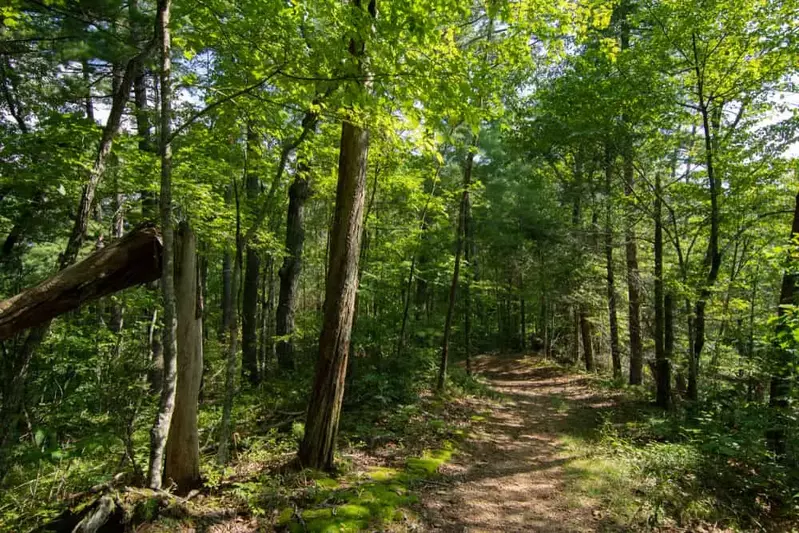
510 475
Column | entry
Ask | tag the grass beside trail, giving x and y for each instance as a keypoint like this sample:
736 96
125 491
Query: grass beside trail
692 469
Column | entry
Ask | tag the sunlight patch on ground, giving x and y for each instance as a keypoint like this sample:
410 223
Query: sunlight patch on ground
381 496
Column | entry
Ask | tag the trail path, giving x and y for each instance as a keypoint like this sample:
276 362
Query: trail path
510 477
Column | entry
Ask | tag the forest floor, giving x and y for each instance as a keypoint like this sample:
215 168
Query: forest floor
527 446
513 472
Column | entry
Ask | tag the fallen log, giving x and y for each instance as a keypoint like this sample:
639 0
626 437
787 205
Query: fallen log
132 260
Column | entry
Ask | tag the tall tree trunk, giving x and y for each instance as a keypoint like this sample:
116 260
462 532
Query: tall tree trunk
524 322
183 446
160 429
249 306
292 267
266 321
270 348
668 334
586 333
633 280
783 373
631 246
156 371
453 289
615 351
712 260
468 235
232 342
324 408
663 371
321 426
575 337
249 317
227 279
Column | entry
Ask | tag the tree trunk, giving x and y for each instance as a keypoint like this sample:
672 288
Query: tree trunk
270 348
156 371
249 305
453 289
292 267
324 408
249 317
130 261
87 82
183 448
160 429
633 290
783 374
149 202
615 351
468 235
524 323
712 259
575 347
227 278
232 351
266 321
631 246
663 371
585 330
668 335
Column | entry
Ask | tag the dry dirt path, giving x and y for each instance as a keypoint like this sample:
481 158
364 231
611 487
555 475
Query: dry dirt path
510 475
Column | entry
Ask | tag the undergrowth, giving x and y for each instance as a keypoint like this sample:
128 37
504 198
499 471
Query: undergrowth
686 469
395 433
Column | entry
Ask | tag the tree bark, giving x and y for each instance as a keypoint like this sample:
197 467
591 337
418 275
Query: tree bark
292 267
631 246
524 322
318 445
132 260
783 373
183 448
633 289
668 334
232 351
663 370
575 337
453 289
266 320
249 306
227 278
249 317
468 235
156 371
586 333
712 259
160 429
321 428
615 351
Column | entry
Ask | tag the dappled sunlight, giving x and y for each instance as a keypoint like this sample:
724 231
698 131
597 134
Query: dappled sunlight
515 465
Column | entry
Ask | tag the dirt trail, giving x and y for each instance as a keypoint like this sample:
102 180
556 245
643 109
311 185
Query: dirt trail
510 476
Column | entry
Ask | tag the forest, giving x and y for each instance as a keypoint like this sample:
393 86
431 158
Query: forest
408 265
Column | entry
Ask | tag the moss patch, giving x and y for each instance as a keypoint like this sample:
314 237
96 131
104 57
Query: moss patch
384 495
430 461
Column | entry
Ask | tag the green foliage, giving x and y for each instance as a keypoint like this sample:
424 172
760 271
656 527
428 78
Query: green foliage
558 102
682 469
